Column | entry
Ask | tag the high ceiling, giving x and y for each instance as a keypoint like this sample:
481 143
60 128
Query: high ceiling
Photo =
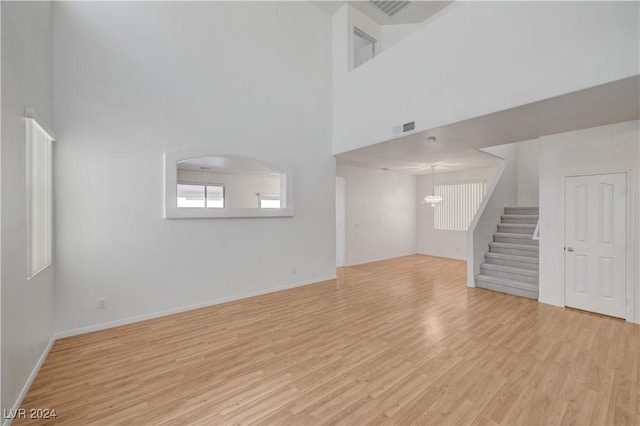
455 147
417 11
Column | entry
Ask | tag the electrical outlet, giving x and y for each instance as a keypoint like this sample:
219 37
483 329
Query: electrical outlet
102 304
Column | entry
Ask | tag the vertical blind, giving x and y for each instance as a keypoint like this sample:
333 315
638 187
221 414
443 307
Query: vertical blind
39 197
460 202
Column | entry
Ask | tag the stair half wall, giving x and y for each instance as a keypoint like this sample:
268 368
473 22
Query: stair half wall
511 264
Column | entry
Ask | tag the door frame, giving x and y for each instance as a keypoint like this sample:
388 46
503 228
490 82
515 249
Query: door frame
344 223
630 279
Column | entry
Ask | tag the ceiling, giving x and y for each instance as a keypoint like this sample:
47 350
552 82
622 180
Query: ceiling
455 147
417 11
417 158
227 165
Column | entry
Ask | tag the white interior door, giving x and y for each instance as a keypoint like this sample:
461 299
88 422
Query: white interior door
341 210
596 243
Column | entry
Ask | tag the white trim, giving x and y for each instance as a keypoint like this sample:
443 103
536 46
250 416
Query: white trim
550 302
343 236
32 377
30 113
201 213
536 232
144 317
632 282
382 259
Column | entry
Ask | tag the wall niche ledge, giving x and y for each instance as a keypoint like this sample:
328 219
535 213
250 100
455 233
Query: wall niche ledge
199 184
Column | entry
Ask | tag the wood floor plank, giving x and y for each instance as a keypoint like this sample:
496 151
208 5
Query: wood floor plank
395 342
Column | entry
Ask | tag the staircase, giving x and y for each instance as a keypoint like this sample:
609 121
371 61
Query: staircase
511 264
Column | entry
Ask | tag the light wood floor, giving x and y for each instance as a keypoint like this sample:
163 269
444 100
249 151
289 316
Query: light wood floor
395 342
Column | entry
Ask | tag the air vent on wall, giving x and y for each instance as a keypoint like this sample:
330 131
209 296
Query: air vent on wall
403 128
390 8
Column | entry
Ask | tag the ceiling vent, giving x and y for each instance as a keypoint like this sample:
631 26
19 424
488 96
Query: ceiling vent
390 8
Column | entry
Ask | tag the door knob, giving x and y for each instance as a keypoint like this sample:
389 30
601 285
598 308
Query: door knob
570 249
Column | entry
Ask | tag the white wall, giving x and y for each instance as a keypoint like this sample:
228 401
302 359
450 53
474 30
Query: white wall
350 18
475 58
438 242
528 173
600 149
344 22
501 191
381 214
27 306
240 191
392 34
341 40
135 79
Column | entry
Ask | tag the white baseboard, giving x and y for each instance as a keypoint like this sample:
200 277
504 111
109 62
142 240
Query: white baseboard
550 302
364 262
130 320
458 256
553 303
29 382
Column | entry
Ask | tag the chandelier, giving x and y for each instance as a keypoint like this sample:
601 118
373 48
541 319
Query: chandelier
433 199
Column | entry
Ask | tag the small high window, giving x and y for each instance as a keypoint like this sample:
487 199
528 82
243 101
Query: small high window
269 201
200 196
364 47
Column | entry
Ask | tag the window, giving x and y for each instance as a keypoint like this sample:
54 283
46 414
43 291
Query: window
269 201
215 196
192 195
39 194
364 47
460 202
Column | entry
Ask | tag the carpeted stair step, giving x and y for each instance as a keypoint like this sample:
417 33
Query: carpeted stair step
514 249
521 210
530 219
516 228
504 237
507 286
509 273
523 262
